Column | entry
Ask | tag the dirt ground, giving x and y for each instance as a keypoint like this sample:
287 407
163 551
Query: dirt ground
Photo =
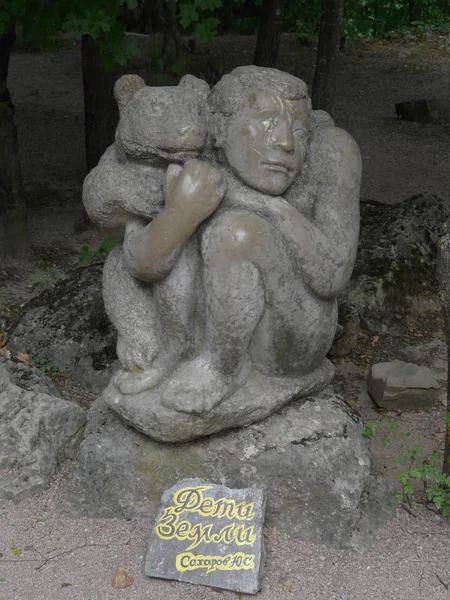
76 559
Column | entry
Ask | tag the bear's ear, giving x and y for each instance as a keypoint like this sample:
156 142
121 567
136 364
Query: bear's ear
126 87
198 86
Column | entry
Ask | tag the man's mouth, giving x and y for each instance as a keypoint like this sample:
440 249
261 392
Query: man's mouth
278 167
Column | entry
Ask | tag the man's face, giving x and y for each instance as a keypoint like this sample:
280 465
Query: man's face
265 143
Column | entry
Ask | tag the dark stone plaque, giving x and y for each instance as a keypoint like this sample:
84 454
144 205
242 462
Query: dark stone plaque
210 535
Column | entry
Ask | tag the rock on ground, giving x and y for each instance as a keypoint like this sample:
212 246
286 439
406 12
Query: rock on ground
67 326
311 459
395 270
37 431
403 385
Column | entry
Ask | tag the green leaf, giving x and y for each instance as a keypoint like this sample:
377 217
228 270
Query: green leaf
390 425
403 479
447 417
369 430
206 30
399 497
188 15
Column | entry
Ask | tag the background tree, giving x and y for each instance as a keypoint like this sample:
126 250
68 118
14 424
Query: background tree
12 198
329 38
99 25
269 32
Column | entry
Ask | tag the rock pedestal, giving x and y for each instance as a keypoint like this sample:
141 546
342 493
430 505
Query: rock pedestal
310 458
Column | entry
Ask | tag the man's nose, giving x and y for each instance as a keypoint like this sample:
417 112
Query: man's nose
282 136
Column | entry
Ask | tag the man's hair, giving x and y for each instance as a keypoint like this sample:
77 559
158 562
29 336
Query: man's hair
228 95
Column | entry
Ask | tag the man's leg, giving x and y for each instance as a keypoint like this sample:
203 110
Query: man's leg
246 268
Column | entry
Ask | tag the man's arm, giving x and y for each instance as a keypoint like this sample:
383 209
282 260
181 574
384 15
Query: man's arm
192 194
326 247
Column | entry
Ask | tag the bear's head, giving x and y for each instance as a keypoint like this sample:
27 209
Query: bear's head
164 122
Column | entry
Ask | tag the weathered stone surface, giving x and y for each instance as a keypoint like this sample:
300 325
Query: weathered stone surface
395 270
209 534
67 324
37 431
258 398
310 458
403 385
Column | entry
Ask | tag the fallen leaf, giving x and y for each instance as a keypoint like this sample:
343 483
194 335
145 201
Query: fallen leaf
52 550
214 589
137 443
351 402
121 580
63 585
291 589
22 357
441 430
5 352
375 339
15 549
411 329
2 341
34 522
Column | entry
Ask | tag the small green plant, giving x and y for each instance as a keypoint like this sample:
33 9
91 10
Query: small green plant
428 470
389 427
105 247
46 367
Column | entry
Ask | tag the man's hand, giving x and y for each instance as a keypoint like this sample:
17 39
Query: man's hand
193 191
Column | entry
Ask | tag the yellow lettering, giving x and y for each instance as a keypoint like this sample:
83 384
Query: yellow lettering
186 561
188 498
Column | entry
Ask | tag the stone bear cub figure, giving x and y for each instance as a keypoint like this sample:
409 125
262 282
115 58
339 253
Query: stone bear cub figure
159 127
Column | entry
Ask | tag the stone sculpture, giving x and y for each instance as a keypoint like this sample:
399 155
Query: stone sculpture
225 302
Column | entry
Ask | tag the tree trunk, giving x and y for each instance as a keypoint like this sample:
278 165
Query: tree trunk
325 74
375 18
269 32
415 10
171 33
12 197
443 271
101 114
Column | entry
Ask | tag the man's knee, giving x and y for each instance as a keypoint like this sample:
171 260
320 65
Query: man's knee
237 235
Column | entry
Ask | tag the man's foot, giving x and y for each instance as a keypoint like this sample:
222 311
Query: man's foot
135 383
200 386
129 356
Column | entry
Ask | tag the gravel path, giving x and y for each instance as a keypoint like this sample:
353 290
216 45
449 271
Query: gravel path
76 559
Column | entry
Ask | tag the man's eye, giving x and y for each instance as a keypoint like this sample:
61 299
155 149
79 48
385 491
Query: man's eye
269 124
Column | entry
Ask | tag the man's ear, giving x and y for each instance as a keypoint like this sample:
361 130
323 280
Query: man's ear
126 87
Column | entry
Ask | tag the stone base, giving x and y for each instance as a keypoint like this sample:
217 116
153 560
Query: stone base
257 399
310 458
